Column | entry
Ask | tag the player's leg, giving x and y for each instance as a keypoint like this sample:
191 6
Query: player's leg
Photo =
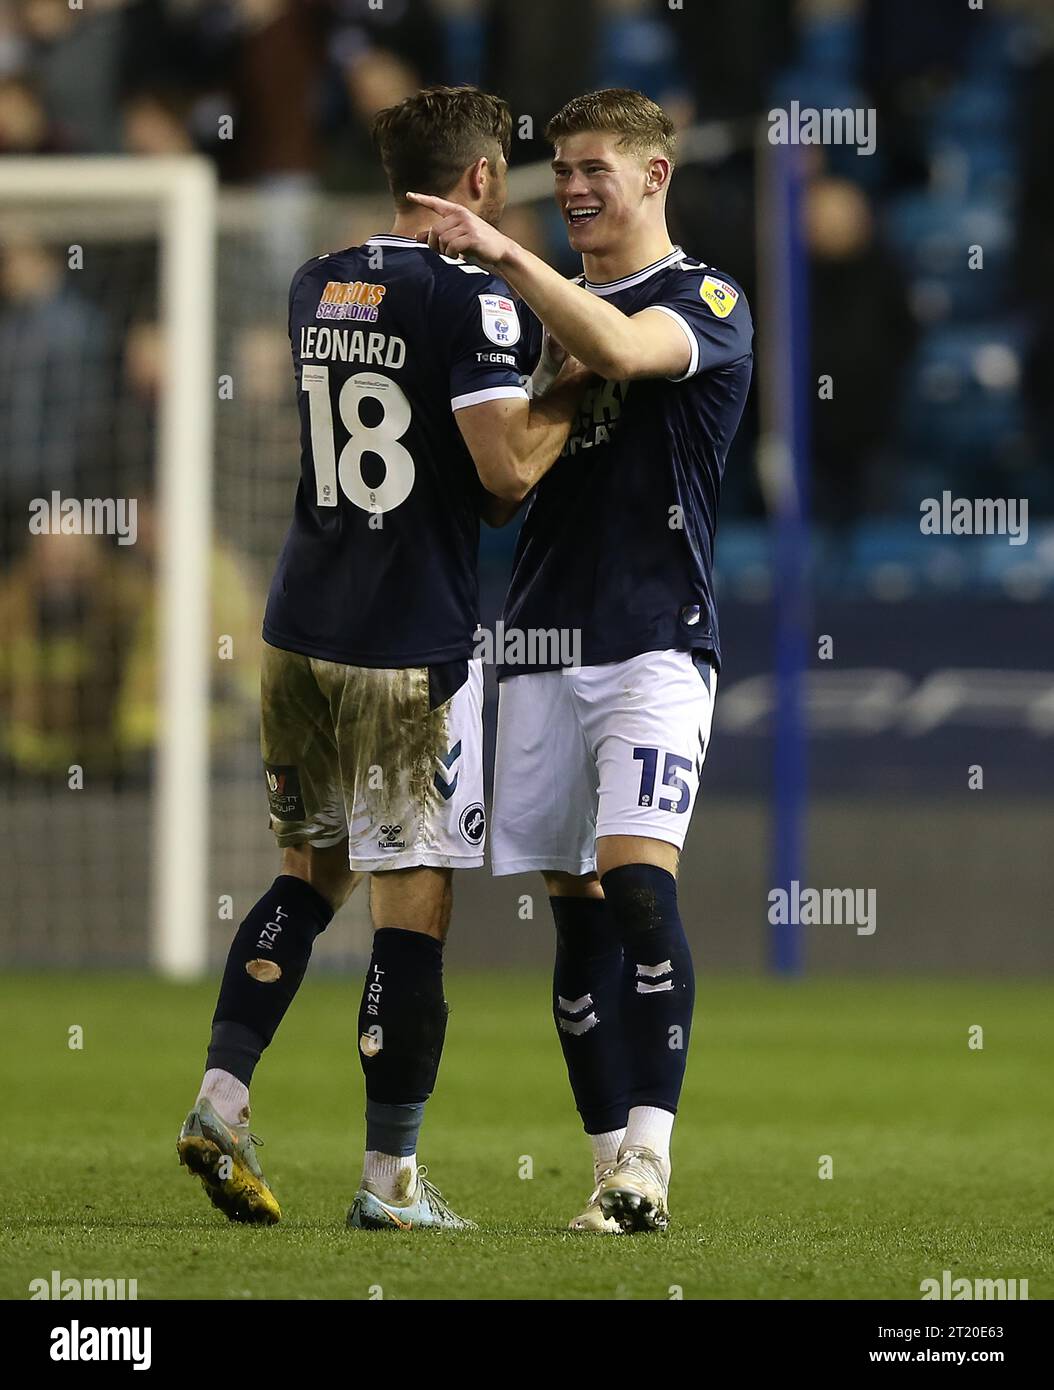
650 751
587 989
544 818
269 954
413 780
402 1026
265 967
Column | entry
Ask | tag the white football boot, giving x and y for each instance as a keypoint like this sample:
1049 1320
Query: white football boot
634 1193
592 1219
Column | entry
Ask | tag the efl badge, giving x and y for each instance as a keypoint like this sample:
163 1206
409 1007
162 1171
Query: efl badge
720 296
499 319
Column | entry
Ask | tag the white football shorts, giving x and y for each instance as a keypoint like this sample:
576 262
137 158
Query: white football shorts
616 749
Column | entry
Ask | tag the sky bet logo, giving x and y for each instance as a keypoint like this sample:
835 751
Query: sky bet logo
353 299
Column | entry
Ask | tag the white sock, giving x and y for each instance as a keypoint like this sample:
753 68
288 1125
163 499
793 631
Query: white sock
392 1176
649 1128
229 1096
605 1150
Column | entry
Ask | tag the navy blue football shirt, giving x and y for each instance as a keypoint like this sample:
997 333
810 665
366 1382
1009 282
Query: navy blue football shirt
379 566
618 540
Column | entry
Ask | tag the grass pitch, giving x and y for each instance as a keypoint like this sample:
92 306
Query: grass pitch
941 1154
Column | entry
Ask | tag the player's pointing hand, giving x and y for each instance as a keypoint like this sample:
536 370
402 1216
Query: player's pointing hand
459 232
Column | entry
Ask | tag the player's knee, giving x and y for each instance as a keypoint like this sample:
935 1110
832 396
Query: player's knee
563 885
326 870
641 897
415 899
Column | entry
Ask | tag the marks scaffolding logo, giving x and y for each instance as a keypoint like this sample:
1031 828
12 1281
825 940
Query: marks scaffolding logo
353 299
810 125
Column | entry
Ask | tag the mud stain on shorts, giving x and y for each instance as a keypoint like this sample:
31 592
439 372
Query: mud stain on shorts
383 722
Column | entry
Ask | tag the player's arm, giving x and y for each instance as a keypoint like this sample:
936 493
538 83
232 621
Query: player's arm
514 442
617 346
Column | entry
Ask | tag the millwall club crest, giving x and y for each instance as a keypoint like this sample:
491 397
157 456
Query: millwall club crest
473 823
500 322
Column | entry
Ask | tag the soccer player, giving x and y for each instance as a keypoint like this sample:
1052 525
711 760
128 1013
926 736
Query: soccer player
413 414
598 765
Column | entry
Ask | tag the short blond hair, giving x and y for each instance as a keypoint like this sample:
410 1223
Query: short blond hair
640 123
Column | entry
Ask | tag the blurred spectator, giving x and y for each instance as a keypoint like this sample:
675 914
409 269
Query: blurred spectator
732 50
24 124
236 612
275 52
640 49
538 56
79 654
68 610
55 383
75 55
376 57
861 330
910 56
156 122
1036 236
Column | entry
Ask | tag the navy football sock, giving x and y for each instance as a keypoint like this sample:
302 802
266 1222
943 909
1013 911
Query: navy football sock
402 1024
265 965
587 987
658 981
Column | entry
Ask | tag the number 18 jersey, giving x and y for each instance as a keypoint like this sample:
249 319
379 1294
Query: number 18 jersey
379 566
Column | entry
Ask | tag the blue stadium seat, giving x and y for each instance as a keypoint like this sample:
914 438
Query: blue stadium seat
962 406
976 108
931 234
831 45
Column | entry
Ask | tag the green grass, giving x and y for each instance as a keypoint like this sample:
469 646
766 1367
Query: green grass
941 1154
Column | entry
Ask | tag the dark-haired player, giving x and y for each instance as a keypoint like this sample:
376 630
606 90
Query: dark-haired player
598 766
412 412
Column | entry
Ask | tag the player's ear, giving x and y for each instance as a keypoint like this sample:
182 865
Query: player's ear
656 174
478 176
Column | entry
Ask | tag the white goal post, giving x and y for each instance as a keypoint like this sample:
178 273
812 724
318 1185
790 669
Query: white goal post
181 191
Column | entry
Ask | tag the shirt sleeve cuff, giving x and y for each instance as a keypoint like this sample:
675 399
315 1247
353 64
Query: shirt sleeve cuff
490 393
693 342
